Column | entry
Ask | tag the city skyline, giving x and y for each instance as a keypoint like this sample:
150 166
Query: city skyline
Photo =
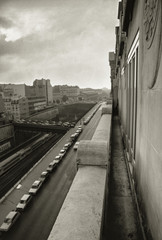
53 85
67 43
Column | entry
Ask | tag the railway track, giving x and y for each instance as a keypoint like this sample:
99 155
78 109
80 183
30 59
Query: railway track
11 177
14 150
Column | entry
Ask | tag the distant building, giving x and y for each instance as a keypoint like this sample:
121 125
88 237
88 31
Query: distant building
2 106
16 107
43 88
2 110
57 96
89 94
72 92
36 103
15 90
20 108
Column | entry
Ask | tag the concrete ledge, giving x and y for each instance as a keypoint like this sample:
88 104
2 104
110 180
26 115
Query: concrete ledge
81 214
107 109
103 129
92 153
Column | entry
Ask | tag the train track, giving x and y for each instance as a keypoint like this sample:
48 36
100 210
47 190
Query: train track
10 178
19 147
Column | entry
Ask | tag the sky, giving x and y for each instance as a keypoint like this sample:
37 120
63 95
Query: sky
66 41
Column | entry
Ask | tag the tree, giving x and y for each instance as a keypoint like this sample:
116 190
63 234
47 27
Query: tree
64 98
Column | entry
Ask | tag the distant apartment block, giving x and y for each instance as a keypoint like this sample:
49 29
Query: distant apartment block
21 100
2 110
89 94
36 103
14 90
16 107
43 88
72 92
2 106
57 96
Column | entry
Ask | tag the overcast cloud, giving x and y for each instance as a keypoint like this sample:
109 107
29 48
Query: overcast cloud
66 41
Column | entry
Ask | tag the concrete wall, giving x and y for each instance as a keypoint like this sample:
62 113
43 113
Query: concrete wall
45 115
7 137
6 132
149 138
100 133
148 157
81 214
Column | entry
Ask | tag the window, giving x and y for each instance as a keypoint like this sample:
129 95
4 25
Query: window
132 85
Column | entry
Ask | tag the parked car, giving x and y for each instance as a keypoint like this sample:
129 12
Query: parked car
44 175
26 198
52 166
9 221
35 187
76 146
74 136
62 153
58 158
80 129
72 124
67 145
66 124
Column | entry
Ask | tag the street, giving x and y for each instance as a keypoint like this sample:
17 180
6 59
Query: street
38 218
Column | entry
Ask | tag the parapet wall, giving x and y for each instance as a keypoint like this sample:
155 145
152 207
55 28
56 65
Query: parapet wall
82 212
92 153
103 129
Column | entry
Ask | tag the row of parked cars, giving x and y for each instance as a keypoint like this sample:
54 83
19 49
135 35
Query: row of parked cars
91 115
26 198
47 122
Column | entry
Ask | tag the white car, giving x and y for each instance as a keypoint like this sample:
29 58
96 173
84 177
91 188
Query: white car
80 129
58 158
62 153
35 187
76 146
9 221
52 165
44 175
74 136
67 146
26 198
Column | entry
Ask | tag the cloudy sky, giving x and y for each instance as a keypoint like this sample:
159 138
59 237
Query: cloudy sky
66 41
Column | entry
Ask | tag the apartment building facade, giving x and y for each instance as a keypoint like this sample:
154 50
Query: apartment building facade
16 108
137 88
72 92
43 88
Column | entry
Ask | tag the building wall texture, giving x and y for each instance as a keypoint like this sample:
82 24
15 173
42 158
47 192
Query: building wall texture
140 104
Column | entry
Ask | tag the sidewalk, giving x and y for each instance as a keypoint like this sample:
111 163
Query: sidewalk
121 218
